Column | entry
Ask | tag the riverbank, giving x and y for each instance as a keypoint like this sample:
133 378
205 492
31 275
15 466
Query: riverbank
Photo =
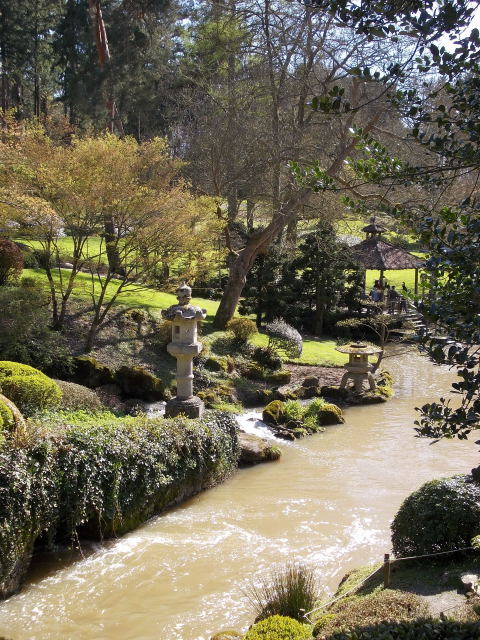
432 587
68 482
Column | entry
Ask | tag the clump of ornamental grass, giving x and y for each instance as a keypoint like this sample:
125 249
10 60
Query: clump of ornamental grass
288 591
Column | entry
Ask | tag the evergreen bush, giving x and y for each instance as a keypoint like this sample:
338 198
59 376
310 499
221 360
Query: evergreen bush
441 515
242 329
278 628
267 357
28 388
76 396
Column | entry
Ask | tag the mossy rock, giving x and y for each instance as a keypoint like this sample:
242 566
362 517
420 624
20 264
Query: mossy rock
334 391
279 377
311 381
28 388
330 414
273 413
214 363
137 382
89 372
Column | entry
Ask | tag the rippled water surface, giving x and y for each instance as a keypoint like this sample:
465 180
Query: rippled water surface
327 502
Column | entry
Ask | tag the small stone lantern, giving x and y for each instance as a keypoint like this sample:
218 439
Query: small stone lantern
358 368
184 347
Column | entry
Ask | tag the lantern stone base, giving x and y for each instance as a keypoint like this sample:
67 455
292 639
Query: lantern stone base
191 407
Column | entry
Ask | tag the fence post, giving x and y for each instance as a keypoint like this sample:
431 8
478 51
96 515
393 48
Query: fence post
386 570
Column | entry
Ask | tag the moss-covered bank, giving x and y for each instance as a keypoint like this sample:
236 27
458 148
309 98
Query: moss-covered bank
103 480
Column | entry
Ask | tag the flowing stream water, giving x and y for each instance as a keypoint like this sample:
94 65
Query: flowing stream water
328 502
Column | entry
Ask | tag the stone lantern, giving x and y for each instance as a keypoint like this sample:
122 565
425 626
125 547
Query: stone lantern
184 347
358 368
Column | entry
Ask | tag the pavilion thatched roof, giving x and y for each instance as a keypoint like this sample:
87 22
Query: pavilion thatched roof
375 253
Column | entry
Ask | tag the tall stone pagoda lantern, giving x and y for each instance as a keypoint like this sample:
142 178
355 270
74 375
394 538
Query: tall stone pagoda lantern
184 347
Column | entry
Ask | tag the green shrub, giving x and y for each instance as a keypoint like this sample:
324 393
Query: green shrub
283 337
90 372
273 412
288 591
292 410
278 628
323 413
422 629
440 516
242 329
254 371
76 396
137 382
28 388
267 357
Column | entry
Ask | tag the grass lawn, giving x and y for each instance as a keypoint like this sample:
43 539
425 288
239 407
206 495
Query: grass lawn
137 297
394 277
316 351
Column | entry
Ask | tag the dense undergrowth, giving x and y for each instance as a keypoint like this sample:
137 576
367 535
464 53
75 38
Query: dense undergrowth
102 477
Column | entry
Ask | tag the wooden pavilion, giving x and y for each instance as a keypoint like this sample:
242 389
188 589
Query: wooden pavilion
376 253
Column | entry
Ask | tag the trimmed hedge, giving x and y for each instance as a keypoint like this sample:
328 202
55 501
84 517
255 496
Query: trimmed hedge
104 480
440 516
278 628
30 389
422 629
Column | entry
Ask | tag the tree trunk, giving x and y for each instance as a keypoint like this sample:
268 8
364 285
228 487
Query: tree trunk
113 255
242 263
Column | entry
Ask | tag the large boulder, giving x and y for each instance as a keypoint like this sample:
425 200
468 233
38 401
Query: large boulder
273 413
91 373
254 450
137 382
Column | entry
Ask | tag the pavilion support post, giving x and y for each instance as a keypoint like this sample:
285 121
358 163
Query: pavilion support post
416 282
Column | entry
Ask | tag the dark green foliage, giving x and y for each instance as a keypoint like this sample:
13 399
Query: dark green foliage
285 338
11 261
90 372
278 628
288 591
421 629
267 358
25 335
440 516
254 371
111 475
28 388
137 382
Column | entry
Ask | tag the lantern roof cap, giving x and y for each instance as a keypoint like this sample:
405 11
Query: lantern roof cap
359 348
